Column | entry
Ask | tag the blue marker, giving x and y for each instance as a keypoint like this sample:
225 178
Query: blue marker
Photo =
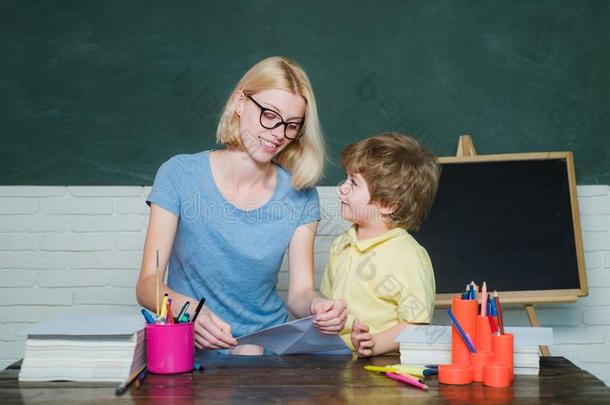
466 294
147 316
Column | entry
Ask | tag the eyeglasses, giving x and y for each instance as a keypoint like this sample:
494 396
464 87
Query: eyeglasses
270 119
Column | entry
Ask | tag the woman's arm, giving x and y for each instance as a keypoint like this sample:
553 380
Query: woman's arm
162 226
302 300
210 331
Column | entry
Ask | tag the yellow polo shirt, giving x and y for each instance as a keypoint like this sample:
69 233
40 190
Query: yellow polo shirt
384 280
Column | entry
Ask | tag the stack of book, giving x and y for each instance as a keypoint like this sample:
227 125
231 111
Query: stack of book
85 348
431 344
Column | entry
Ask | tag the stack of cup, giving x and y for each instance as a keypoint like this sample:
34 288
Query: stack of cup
491 364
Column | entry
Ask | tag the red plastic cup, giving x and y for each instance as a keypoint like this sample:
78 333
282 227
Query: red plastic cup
483 334
497 375
465 311
503 347
170 348
455 374
478 361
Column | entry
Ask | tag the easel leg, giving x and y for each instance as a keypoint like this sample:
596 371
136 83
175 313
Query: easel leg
531 314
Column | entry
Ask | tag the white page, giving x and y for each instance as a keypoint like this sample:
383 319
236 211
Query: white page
435 335
296 337
89 325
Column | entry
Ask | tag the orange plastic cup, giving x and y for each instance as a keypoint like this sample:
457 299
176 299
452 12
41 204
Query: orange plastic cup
483 334
477 362
456 374
503 348
465 311
497 375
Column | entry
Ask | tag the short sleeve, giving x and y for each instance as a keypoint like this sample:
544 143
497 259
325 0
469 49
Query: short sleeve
415 303
164 192
311 210
325 284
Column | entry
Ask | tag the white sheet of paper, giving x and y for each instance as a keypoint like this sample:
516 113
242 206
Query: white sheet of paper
436 334
89 325
297 337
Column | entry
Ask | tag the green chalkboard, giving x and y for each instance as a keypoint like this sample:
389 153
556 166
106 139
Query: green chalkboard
100 93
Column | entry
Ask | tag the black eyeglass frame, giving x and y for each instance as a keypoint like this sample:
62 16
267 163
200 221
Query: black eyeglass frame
282 122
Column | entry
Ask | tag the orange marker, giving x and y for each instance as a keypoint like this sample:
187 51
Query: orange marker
170 316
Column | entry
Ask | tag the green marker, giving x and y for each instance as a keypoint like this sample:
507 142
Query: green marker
183 310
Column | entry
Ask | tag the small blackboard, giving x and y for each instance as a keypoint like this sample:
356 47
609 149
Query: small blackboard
510 220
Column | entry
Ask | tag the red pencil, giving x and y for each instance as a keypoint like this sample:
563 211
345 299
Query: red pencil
499 310
492 324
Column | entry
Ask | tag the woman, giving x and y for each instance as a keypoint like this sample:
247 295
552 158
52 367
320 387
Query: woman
225 218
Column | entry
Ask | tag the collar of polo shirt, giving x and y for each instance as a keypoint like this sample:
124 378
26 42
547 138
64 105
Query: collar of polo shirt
362 245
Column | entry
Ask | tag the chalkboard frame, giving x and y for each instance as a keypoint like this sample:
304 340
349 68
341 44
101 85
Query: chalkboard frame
533 296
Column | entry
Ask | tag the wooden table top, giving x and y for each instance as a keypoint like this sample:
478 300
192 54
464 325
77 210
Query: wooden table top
304 379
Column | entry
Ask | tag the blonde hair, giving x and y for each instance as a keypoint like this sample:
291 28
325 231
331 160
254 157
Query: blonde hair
305 156
400 174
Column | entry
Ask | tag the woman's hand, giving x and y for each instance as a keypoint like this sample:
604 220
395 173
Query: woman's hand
330 315
362 340
211 332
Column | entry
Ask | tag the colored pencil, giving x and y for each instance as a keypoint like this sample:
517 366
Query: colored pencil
467 341
499 310
408 380
157 297
492 324
120 390
484 299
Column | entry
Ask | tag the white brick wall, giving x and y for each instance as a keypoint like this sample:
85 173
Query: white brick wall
66 250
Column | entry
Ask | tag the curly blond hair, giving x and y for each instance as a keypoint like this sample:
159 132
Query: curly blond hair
400 174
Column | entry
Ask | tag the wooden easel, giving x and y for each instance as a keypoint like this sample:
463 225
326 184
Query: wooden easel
466 148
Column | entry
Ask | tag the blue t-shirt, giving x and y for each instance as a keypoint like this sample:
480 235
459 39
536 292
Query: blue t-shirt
223 253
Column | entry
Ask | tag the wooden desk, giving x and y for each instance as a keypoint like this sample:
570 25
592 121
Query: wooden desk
313 379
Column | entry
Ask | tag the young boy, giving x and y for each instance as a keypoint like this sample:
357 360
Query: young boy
381 271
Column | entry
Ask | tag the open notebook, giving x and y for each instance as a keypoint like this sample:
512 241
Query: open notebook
85 348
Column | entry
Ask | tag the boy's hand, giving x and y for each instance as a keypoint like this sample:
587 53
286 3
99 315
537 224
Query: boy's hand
330 315
362 340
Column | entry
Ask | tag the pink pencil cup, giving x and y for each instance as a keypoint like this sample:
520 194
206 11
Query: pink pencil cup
170 348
